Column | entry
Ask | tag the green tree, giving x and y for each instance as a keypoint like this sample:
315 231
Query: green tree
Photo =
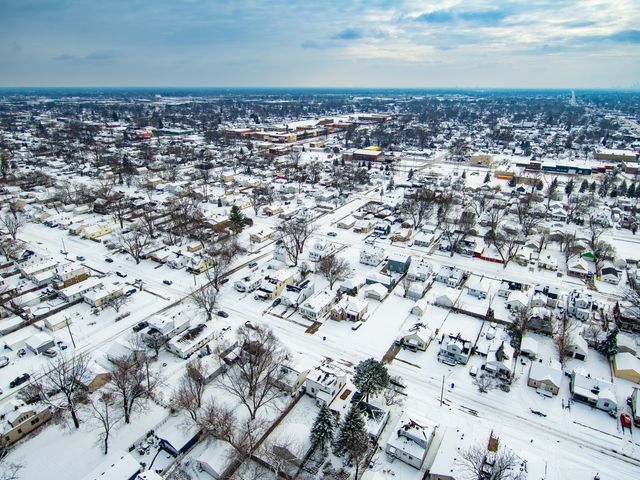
237 219
371 377
584 186
352 439
609 346
568 188
323 428
487 178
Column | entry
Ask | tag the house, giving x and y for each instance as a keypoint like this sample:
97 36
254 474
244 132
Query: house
419 271
578 267
610 275
77 290
626 366
546 378
455 348
416 337
416 290
177 435
125 467
420 307
69 274
500 359
247 284
163 327
259 235
95 377
410 441
547 262
402 235
381 228
272 285
517 301
398 262
580 305
320 249
423 239
371 255
447 299
40 342
96 231
578 347
478 288
325 382
349 308
529 346
377 291
215 458
593 391
318 305
295 295
35 265
190 341
363 226
635 406
290 380
346 223
18 419
101 296
450 276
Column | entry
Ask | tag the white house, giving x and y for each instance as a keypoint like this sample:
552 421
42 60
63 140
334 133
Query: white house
410 441
318 305
325 382
593 391
371 255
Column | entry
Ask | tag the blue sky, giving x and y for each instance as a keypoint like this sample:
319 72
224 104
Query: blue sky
377 43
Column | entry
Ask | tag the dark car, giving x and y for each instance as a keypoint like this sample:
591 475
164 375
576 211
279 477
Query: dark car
20 380
276 302
253 264
140 326
80 258
167 282
332 234
224 280
121 275
108 260
130 292
223 314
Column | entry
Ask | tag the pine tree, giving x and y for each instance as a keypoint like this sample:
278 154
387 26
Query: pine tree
487 178
410 176
609 346
371 377
237 219
323 427
592 187
584 186
568 188
352 438
539 185
631 191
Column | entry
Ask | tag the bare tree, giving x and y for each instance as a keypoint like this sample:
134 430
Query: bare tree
507 245
132 381
10 247
12 224
260 196
64 377
602 251
463 227
419 205
9 470
563 337
134 243
444 201
188 395
102 407
477 460
255 378
282 455
294 233
117 302
334 268
218 258
484 382
206 298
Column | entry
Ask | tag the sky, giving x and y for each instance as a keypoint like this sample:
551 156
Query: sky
321 43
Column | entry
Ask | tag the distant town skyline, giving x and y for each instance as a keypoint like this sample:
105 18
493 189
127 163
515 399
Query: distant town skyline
379 43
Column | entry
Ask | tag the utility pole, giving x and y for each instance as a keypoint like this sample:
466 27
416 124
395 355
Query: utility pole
442 390
70 334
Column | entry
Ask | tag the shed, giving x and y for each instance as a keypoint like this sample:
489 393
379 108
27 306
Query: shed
626 366
40 342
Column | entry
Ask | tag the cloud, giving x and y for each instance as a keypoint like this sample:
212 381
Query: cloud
452 16
348 34
95 56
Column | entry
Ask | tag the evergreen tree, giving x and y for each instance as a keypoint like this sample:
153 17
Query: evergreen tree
487 178
631 191
539 185
323 427
464 174
219 202
410 176
584 186
352 438
568 188
609 346
237 219
614 192
592 187
371 377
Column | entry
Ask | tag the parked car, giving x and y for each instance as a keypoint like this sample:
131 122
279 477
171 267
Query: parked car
332 234
108 260
223 314
253 264
167 282
397 381
4 361
224 280
625 420
19 380
50 353
473 371
276 302
121 275
80 258
130 292
250 325
140 326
